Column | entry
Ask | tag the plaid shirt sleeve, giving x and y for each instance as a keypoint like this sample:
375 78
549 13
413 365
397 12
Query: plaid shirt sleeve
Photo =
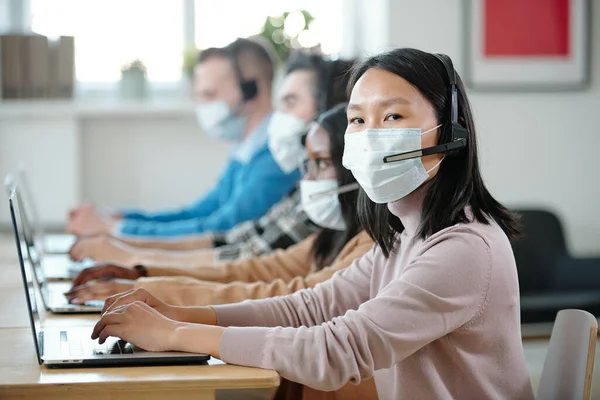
284 225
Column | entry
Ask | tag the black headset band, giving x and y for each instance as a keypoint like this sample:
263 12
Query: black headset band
249 87
447 62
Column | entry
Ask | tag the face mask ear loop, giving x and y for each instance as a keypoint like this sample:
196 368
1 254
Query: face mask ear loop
432 129
436 165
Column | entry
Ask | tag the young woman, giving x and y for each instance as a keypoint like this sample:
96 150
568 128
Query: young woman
311 86
432 312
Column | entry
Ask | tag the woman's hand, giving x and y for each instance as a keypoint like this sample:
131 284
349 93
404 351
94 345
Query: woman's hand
104 249
105 272
139 324
147 322
98 290
197 315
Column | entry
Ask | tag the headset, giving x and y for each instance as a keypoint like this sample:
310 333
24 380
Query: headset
249 87
458 133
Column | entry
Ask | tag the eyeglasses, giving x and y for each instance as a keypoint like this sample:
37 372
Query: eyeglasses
313 166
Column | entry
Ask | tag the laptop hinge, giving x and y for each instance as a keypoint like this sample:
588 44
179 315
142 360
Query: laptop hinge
41 343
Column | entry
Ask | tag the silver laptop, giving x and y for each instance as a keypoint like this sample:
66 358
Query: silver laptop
49 243
55 266
52 292
73 347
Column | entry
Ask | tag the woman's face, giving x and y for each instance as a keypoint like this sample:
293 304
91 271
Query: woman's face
383 100
319 164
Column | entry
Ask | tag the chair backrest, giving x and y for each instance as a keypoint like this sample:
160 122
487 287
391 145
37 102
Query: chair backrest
569 364
542 244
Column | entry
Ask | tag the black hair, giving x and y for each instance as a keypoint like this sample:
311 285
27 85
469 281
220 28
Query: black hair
458 182
329 242
239 51
332 77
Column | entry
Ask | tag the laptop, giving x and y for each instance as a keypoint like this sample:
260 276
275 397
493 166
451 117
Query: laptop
52 292
73 347
55 266
50 244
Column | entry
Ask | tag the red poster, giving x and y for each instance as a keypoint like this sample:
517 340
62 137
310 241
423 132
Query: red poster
526 28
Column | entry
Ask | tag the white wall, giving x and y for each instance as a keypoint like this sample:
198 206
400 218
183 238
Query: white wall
153 163
4 15
537 149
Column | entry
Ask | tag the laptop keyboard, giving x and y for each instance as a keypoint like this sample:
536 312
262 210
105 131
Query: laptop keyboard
77 346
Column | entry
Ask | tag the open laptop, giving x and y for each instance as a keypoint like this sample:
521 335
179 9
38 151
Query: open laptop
55 266
49 243
52 292
73 347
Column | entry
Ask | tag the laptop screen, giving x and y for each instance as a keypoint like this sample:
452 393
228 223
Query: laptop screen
26 272
27 233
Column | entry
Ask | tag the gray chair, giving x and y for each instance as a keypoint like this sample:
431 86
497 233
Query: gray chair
569 363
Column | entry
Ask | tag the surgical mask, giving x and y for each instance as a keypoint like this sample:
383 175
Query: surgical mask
219 121
385 182
321 204
285 132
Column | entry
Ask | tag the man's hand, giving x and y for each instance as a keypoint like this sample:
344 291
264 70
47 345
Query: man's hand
103 249
105 272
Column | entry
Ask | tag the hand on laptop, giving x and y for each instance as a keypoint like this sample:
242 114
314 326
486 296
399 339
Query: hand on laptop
147 322
98 290
105 272
88 221
91 207
140 324
104 249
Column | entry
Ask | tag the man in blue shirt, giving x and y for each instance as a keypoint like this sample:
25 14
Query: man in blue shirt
233 90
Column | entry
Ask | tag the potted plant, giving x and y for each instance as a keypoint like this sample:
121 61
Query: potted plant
190 57
133 81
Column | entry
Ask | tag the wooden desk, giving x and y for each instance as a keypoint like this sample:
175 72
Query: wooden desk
22 377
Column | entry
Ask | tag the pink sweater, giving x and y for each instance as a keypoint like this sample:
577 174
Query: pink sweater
438 319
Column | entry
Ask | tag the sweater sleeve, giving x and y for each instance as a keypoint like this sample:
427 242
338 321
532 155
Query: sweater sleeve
281 264
200 209
441 290
185 291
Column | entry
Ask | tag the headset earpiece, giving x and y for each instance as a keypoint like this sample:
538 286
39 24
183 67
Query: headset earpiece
249 89
458 133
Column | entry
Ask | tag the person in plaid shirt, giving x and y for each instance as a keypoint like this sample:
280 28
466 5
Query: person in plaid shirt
284 225
312 85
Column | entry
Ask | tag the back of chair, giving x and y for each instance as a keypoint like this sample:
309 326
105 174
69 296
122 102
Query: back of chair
536 253
569 364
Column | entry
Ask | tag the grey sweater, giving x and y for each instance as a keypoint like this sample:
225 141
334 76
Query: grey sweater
437 319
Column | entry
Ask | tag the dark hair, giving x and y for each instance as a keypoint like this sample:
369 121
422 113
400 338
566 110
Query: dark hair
458 182
243 50
329 242
332 77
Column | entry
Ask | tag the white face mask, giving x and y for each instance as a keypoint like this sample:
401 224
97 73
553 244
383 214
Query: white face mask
218 121
326 210
385 182
285 132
